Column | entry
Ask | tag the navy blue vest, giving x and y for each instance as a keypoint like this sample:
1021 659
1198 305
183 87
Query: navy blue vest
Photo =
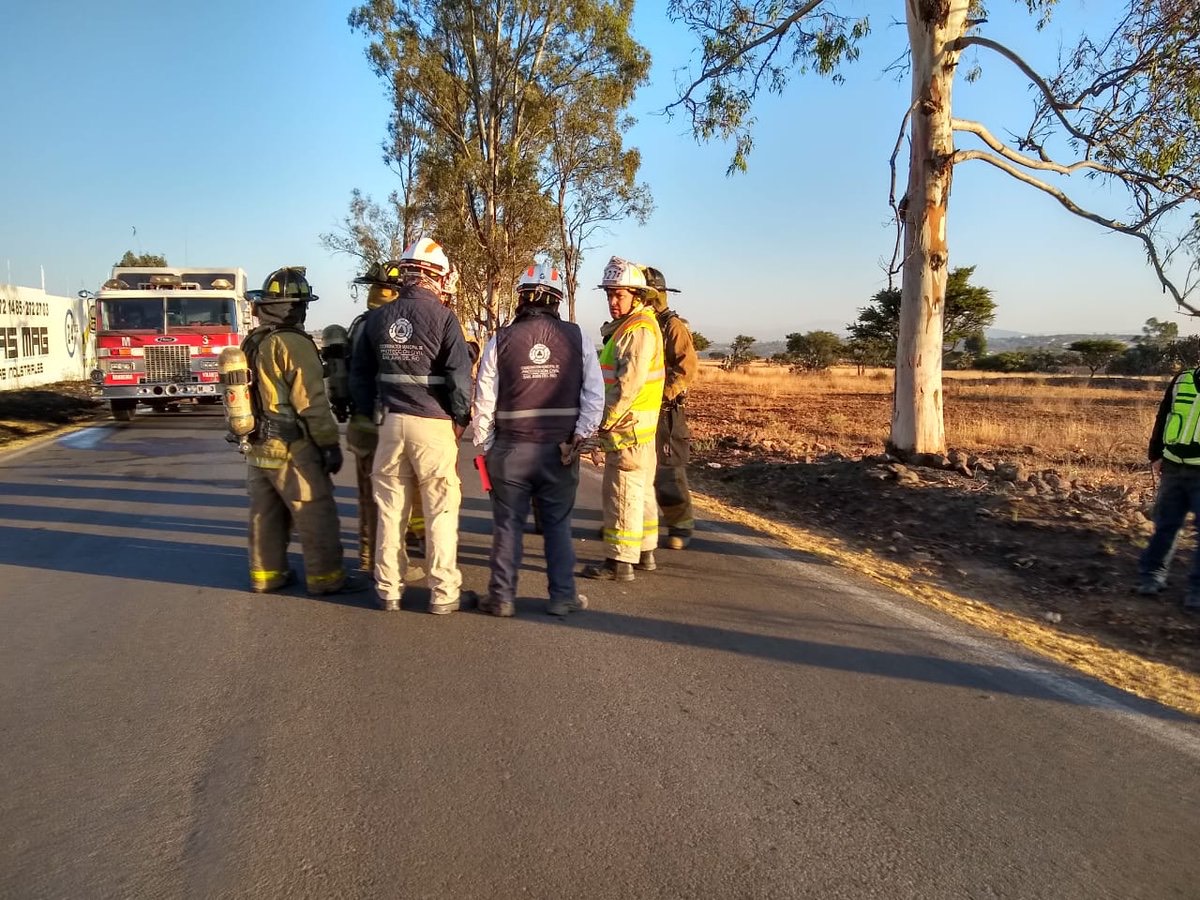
539 367
423 367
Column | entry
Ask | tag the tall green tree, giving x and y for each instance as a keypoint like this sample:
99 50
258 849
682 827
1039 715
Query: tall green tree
141 259
969 309
479 92
590 174
740 353
814 350
1096 353
1123 107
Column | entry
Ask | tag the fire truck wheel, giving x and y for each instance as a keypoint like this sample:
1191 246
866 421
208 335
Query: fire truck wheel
123 410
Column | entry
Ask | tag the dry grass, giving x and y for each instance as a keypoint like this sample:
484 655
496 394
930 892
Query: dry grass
1096 429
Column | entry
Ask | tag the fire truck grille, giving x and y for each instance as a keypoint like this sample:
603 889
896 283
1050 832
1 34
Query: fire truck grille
168 363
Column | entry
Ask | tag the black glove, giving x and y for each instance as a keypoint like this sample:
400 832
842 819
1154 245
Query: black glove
331 458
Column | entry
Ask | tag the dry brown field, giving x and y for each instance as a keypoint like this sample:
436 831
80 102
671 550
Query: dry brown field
1055 547
1097 430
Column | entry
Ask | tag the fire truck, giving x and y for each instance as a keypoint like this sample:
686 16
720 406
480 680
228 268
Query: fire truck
158 334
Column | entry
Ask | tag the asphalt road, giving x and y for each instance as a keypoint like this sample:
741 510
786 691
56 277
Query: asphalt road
745 722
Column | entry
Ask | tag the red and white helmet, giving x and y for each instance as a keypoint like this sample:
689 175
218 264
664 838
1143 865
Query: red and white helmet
427 256
621 273
541 278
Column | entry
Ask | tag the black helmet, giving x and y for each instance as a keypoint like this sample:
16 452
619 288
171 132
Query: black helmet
655 279
288 284
386 273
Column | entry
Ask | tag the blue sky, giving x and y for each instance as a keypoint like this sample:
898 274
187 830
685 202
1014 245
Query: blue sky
228 132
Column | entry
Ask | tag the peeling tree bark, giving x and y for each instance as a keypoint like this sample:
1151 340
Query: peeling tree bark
917 407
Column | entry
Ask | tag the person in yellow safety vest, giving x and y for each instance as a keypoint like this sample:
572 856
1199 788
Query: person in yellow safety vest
674 439
294 449
632 364
1175 458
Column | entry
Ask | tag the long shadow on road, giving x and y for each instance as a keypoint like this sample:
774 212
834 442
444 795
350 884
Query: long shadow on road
982 677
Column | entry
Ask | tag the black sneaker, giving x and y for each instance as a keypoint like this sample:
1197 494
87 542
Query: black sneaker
501 608
646 562
609 570
563 607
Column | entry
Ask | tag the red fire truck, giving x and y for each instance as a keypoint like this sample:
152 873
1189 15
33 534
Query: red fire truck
159 332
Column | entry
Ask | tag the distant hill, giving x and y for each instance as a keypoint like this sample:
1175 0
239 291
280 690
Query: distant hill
999 340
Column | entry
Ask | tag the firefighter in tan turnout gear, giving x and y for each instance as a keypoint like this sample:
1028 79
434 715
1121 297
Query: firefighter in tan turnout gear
673 439
632 364
362 434
294 449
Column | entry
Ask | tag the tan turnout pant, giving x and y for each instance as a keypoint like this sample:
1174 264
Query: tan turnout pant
417 457
298 494
630 508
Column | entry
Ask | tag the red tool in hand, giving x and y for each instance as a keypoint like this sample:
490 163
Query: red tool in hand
484 480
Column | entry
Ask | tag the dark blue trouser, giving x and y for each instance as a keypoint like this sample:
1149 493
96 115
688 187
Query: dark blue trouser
519 472
1178 494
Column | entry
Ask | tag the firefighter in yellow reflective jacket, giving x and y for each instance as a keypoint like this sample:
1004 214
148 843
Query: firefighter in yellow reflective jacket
294 449
632 364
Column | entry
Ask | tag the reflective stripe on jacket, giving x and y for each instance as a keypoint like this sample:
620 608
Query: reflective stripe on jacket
1179 430
539 366
411 356
632 364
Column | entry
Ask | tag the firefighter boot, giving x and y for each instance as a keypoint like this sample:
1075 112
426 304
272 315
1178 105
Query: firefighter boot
352 583
646 562
271 584
609 570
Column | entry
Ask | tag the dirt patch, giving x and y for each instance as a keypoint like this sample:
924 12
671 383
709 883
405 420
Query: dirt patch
1049 539
32 412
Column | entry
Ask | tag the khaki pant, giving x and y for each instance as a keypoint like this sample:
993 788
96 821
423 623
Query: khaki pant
299 493
417 457
630 508
368 513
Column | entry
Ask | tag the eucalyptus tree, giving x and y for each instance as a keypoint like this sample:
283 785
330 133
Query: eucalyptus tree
482 85
590 174
1123 109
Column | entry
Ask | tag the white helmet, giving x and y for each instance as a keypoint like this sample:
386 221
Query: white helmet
621 273
541 278
427 256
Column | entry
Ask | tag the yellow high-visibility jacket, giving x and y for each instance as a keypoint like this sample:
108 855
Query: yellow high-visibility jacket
632 364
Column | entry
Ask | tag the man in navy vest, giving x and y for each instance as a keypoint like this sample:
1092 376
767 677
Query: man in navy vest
540 394
411 355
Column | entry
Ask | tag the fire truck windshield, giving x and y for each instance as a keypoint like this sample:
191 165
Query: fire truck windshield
199 312
132 315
